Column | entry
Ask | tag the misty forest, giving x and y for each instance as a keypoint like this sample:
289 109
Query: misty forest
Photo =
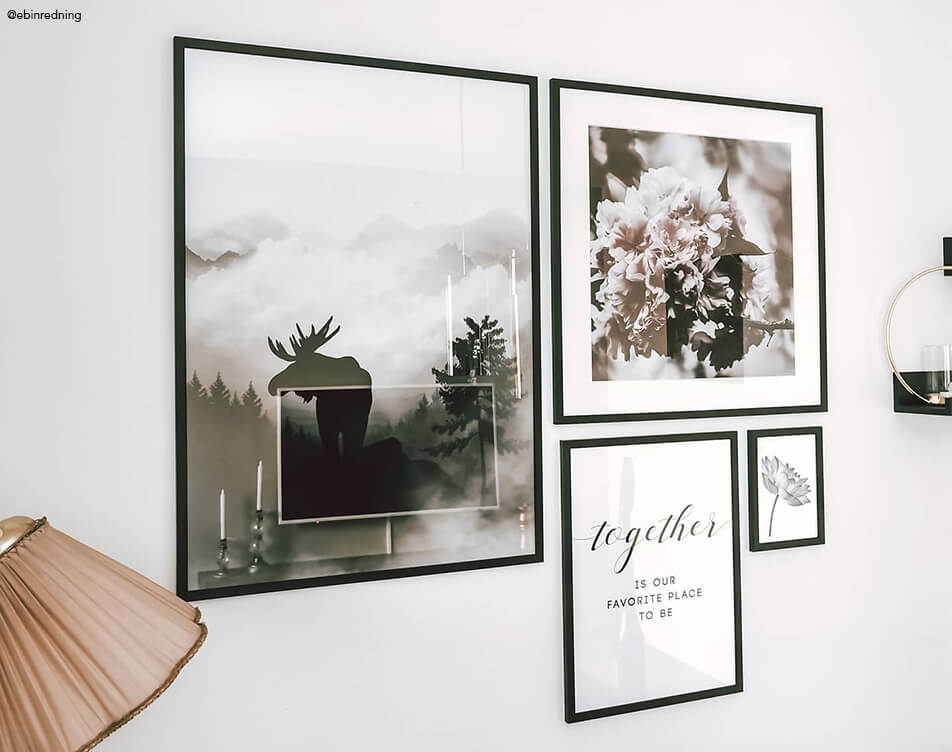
438 454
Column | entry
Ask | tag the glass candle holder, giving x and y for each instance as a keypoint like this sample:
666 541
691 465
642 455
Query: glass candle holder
223 558
937 364
255 560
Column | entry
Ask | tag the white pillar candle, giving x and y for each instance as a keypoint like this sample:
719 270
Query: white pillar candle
258 504
221 500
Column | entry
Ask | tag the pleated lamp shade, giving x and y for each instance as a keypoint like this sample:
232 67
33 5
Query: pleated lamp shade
85 643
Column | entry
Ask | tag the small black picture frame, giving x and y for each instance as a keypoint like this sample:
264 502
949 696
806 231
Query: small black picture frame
755 482
570 405
572 714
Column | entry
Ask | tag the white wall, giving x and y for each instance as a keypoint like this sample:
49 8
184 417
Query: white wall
846 646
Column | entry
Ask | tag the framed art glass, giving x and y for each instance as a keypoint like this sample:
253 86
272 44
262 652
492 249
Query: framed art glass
785 488
651 572
356 279
688 271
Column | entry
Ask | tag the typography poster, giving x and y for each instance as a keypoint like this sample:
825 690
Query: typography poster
651 572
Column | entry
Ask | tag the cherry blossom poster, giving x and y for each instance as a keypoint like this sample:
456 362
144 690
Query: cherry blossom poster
688 252
651 572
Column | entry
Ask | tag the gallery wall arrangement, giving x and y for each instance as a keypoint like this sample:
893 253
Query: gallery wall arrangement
486 384
687 282
357 334
358 387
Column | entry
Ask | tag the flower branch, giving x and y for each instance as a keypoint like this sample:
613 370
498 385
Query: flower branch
770 328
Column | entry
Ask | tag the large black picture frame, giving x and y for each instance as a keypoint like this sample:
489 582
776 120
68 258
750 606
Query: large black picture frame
180 46
568 626
556 86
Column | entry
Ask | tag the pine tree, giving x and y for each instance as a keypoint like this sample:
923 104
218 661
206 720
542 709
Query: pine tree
420 419
479 358
251 402
195 390
218 394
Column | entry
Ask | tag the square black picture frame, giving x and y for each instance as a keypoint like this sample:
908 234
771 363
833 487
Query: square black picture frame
753 489
568 626
180 46
560 416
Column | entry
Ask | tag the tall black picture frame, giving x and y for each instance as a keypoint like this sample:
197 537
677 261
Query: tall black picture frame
622 593
524 517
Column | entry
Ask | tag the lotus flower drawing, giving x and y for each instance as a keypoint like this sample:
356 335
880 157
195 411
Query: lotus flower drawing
784 482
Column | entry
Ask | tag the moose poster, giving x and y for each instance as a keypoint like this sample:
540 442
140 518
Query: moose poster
357 301
651 557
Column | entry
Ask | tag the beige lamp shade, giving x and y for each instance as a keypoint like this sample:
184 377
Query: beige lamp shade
85 643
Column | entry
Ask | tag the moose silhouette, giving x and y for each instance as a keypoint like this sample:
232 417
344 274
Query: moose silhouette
337 475
340 388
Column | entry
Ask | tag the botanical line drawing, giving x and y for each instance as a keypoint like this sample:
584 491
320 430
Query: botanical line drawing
782 480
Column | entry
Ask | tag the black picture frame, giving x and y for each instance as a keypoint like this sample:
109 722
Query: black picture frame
180 45
753 489
556 85
568 627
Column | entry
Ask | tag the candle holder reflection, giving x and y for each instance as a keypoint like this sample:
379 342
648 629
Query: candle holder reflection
523 526
223 558
254 548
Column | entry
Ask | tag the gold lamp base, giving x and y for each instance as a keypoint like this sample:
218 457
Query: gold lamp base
13 529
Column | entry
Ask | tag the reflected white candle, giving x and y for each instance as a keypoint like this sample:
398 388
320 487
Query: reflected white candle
515 325
449 323
221 500
258 505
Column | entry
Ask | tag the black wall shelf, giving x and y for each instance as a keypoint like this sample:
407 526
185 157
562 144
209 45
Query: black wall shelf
903 402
